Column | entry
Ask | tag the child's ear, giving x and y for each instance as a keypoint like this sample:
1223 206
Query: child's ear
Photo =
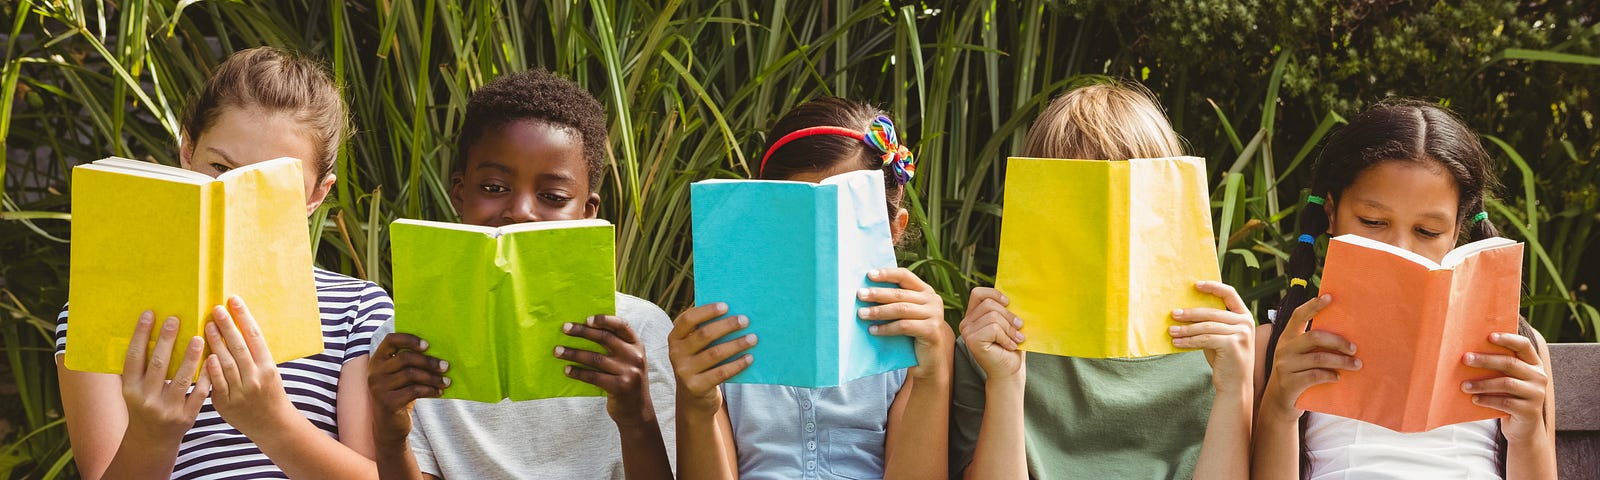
591 208
897 226
456 180
320 193
185 150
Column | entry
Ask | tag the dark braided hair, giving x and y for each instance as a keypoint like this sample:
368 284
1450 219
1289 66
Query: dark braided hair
1400 130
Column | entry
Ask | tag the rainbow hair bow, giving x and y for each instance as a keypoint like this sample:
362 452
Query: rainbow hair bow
880 136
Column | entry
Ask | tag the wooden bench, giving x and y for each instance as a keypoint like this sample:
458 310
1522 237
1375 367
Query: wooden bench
1577 383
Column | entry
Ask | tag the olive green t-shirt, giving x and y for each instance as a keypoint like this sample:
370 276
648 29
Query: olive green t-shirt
1101 419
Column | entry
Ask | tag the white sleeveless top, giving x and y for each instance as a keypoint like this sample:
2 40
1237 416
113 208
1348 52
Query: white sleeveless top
1340 448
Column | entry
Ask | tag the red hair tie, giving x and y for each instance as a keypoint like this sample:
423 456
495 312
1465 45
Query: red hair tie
806 132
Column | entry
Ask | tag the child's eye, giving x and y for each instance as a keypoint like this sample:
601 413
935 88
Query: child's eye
1430 234
1370 223
555 198
221 168
492 188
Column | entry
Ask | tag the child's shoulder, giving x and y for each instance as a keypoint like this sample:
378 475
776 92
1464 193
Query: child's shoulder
330 282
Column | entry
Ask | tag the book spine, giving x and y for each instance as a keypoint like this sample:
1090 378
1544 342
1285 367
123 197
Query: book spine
213 248
829 369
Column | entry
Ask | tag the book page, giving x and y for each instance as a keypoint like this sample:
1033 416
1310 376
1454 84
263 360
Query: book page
446 285
1170 247
1482 299
556 276
863 243
1462 252
551 225
148 170
757 248
1381 304
138 244
1063 245
266 256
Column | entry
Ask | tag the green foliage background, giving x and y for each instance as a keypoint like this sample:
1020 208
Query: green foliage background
691 84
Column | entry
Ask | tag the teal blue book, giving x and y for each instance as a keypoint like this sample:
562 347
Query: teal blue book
491 301
791 256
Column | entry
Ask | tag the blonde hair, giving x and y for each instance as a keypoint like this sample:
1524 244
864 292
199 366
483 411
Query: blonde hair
278 82
1115 121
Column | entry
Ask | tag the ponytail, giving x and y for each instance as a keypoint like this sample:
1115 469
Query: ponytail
1313 223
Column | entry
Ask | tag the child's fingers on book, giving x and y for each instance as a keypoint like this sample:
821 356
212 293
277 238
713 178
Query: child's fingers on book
1302 314
1321 360
886 295
417 376
134 362
413 359
982 294
708 358
1519 345
705 335
1205 315
997 319
689 321
397 342
1323 340
228 372
892 311
996 334
1203 328
1207 341
1228 294
589 359
615 325
1510 405
189 364
900 276
233 342
1511 366
607 338
219 377
721 373
1504 386
250 331
155 372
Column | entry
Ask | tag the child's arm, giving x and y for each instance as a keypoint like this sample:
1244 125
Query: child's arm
136 434
917 447
399 374
705 434
991 335
1228 337
248 393
621 373
1303 358
1524 393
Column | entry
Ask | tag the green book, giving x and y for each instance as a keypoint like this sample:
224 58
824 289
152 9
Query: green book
491 301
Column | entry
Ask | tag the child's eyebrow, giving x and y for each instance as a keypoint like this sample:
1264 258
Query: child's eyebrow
225 158
1436 215
493 166
557 177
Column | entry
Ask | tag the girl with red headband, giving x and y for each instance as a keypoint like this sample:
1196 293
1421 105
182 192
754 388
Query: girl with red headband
889 425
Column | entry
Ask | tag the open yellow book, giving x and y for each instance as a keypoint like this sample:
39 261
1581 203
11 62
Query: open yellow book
147 236
1096 254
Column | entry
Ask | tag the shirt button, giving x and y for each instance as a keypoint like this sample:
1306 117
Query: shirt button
811 465
811 445
811 427
805 405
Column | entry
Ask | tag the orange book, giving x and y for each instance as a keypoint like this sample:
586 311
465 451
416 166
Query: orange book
1412 321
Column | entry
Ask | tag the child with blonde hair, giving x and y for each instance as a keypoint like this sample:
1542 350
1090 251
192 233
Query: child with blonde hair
1184 415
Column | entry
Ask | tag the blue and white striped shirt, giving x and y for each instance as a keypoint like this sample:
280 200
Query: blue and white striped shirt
352 310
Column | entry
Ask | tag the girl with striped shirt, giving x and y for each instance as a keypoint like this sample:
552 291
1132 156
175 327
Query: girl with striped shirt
245 418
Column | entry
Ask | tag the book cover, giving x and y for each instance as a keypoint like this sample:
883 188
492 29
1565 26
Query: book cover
1096 254
491 301
791 256
1412 321
151 237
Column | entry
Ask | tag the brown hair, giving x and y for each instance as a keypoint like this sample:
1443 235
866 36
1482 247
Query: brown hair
816 153
1116 121
276 82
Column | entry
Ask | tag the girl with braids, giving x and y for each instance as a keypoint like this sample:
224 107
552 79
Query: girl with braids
888 425
1412 175
1179 416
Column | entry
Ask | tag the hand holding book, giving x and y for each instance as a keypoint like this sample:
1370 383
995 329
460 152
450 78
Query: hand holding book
620 372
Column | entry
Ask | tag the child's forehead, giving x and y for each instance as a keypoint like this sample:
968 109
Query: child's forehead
528 143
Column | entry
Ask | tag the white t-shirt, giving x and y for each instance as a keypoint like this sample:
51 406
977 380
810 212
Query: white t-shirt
1340 448
555 438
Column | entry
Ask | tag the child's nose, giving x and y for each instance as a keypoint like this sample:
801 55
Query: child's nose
522 209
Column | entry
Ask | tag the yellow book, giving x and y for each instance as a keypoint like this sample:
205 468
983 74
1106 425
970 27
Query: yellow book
147 236
1096 254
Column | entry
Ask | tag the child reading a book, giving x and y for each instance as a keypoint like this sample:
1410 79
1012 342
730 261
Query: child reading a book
302 418
1409 174
1018 414
886 425
533 147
